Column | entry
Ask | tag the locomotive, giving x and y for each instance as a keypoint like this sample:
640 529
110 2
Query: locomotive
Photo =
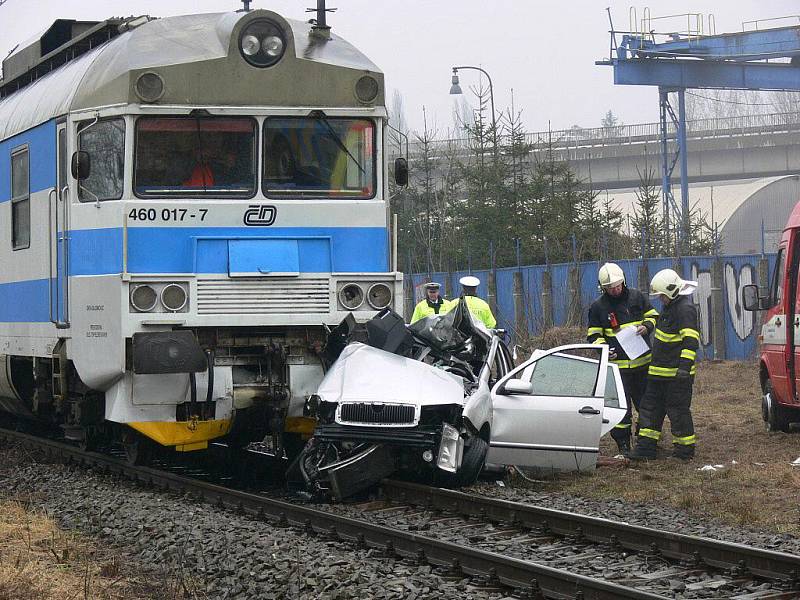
190 202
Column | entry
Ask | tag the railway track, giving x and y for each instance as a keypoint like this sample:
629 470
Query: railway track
376 526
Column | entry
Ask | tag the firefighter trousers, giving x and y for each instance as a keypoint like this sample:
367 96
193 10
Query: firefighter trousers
635 383
670 397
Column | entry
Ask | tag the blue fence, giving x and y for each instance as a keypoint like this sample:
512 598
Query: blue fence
740 325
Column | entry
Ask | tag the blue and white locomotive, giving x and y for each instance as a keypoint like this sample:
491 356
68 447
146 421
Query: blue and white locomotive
187 203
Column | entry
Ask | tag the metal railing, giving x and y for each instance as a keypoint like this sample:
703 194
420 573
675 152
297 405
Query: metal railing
578 137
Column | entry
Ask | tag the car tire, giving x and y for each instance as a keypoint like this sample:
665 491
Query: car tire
472 463
776 418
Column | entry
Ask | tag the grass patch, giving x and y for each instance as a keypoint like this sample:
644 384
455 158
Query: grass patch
39 561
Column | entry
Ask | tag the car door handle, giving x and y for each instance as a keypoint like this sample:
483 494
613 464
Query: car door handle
588 410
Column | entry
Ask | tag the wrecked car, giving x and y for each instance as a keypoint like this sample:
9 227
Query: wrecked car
438 400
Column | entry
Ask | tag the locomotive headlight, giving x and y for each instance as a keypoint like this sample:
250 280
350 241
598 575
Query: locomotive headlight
273 45
174 297
250 45
379 296
262 43
351 296
143 298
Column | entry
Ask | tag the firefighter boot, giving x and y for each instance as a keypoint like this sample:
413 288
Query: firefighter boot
645 449
683 452
623 439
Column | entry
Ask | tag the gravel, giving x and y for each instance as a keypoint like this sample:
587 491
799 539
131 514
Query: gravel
662 517
216 553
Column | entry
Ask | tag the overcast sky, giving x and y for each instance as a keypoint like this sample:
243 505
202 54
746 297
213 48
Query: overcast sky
545 50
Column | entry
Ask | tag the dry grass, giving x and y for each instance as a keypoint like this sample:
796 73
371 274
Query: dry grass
760 489
39 561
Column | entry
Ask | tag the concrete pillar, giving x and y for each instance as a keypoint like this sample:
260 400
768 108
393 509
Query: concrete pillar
717 310
547 300
408 297
574 314
644 278
520 322
491 285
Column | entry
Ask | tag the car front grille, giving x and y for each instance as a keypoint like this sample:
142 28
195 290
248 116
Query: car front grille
376 414
277 295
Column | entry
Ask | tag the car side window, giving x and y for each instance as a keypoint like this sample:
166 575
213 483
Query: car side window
776 293
560 375
611 396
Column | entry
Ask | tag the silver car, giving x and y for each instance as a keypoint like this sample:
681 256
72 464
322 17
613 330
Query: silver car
449 403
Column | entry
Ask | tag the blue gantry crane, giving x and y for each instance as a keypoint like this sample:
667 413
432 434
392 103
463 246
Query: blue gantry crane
761 57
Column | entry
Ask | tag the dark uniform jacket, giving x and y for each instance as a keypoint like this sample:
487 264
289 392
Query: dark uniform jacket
629 309
676 339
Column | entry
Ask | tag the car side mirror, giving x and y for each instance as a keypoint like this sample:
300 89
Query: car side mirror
81 165
401 171
518 386
751 300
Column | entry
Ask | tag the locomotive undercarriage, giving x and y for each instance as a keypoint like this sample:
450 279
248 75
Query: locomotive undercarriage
273 373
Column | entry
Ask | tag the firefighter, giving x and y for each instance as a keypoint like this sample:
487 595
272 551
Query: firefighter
671 371
431 304
478 308
618 307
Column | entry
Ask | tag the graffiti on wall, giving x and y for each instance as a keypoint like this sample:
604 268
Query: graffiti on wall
741 319
734 280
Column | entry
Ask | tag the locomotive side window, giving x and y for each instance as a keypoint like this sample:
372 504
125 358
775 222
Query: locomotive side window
319 157
105 143
20 200
197 156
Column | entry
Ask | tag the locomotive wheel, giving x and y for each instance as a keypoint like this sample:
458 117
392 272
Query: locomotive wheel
138 449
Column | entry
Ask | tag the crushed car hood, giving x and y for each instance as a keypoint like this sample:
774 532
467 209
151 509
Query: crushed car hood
366 374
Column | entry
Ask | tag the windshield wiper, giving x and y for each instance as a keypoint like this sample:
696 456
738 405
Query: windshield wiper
320 116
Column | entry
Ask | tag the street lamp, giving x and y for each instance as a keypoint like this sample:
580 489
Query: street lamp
455 89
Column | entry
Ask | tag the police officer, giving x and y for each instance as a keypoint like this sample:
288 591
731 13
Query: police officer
671 371
477 307
431 304
619 307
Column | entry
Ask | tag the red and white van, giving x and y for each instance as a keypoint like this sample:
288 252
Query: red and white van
780 344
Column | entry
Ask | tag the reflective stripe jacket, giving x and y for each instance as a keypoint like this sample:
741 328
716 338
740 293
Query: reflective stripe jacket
478 308
630 309
425 308
676 339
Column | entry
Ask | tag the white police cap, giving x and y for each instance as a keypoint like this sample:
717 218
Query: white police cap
469 281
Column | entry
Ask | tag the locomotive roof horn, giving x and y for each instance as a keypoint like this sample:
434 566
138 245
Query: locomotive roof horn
321 27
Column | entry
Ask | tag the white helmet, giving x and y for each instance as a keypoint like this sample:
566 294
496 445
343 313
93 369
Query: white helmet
669 283
469 281
610 274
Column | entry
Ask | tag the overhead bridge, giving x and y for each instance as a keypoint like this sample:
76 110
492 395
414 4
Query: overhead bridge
611 158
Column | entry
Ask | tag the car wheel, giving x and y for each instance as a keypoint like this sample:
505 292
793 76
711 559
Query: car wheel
471 465
775 416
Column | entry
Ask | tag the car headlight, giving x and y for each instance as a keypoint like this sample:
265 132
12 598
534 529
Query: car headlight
174 297
143 298
379 296
262 43
351 296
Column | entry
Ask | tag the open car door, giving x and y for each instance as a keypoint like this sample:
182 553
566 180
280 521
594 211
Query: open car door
549 412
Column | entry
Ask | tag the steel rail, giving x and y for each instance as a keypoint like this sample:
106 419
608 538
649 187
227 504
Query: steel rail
551 582
715 553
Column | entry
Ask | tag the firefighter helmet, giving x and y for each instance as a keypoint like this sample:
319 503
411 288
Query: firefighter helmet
670 284
610 275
